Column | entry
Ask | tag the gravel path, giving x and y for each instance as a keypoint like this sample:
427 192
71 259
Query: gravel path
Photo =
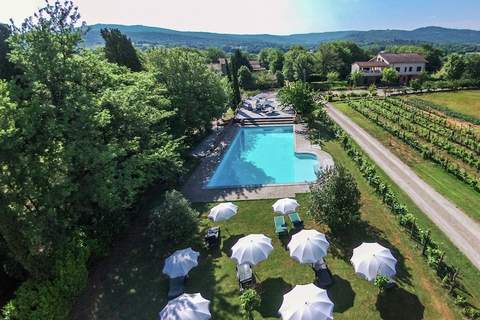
463 231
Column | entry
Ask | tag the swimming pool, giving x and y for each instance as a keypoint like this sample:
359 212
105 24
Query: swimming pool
263 155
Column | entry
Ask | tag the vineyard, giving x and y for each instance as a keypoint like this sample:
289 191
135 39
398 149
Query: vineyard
455 147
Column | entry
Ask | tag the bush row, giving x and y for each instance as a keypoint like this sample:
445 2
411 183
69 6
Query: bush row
410 123
427 151
429 106
432 251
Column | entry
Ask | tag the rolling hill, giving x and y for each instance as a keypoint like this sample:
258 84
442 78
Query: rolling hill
147 36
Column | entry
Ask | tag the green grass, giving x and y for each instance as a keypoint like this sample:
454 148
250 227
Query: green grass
462 195
436 178
466 102
131 285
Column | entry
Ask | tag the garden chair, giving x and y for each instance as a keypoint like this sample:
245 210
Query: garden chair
296 221
280 226
176 287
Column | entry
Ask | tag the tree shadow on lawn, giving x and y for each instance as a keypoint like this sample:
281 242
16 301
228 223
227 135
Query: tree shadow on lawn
229 242
341 294
399 304
343 243
271 292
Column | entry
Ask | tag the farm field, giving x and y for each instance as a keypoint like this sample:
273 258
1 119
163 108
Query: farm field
466 102
132 285
446 183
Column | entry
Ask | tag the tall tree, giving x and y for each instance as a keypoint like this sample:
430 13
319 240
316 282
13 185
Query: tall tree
454 67
300 96
338 56
472 66
236 63
298 64
390 76
335 199
197 94
7 69
213 54
119 49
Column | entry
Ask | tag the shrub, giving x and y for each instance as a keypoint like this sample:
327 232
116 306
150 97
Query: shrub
174 222
249 300
280 78
335 199
381 282
52 298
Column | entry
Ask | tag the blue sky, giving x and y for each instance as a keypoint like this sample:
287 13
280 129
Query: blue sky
269 16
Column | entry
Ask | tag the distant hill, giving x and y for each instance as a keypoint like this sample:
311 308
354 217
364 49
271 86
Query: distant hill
148 36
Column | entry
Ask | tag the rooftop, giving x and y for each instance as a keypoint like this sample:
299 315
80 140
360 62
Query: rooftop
403 57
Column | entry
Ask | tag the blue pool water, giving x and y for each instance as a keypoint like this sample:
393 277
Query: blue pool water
263 155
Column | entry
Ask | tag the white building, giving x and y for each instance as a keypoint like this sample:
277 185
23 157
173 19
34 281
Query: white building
408 65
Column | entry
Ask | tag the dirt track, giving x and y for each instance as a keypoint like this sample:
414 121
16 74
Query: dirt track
463 231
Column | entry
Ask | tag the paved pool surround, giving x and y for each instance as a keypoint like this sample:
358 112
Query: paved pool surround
194 188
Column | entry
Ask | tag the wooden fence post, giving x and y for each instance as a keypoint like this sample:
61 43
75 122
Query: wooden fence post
425 242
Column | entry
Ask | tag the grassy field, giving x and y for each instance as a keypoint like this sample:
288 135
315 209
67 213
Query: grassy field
130 285
466 102
462 195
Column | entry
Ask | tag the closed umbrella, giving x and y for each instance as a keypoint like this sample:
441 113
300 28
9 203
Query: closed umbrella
285 206
372 259
308 246
223 211
180 263
186 307
306 302
252 249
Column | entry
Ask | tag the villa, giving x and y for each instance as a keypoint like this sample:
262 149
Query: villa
408 65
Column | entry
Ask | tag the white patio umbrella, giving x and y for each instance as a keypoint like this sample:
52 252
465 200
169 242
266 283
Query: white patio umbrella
223 211
186 307
180 263
285 206
306 302
308 246
372 259
252 249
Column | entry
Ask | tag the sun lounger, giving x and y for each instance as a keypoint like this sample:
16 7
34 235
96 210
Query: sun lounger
176 287
296 221
280 226
245 276
323 276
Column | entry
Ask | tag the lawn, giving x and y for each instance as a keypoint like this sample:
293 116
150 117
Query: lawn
130 285
462 195
466 102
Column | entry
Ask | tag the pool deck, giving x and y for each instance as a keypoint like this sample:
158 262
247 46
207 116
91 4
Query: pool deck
194 190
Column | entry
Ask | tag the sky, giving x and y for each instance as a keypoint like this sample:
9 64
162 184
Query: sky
268 16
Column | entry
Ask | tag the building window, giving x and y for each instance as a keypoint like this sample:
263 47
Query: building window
410 69
405 69
398 69
419 69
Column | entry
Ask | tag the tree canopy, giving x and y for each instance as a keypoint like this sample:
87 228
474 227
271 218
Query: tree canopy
119 49
298 64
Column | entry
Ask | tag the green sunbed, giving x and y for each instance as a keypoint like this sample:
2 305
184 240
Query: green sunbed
280 225
296 221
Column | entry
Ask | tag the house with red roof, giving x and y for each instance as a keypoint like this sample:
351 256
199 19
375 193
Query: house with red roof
408 65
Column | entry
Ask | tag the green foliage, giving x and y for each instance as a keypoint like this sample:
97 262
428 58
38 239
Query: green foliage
213 54
472 66
338 56
454 67
372 90
416 84
236 63
53 299
280 79
271 59
299 96
249 300
381 282
333 76
119 49
174 222
245 78
197 94
298 64
335 199
355 77
7 69
390 76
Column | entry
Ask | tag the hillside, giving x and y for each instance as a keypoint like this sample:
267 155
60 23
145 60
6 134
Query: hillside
146 36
